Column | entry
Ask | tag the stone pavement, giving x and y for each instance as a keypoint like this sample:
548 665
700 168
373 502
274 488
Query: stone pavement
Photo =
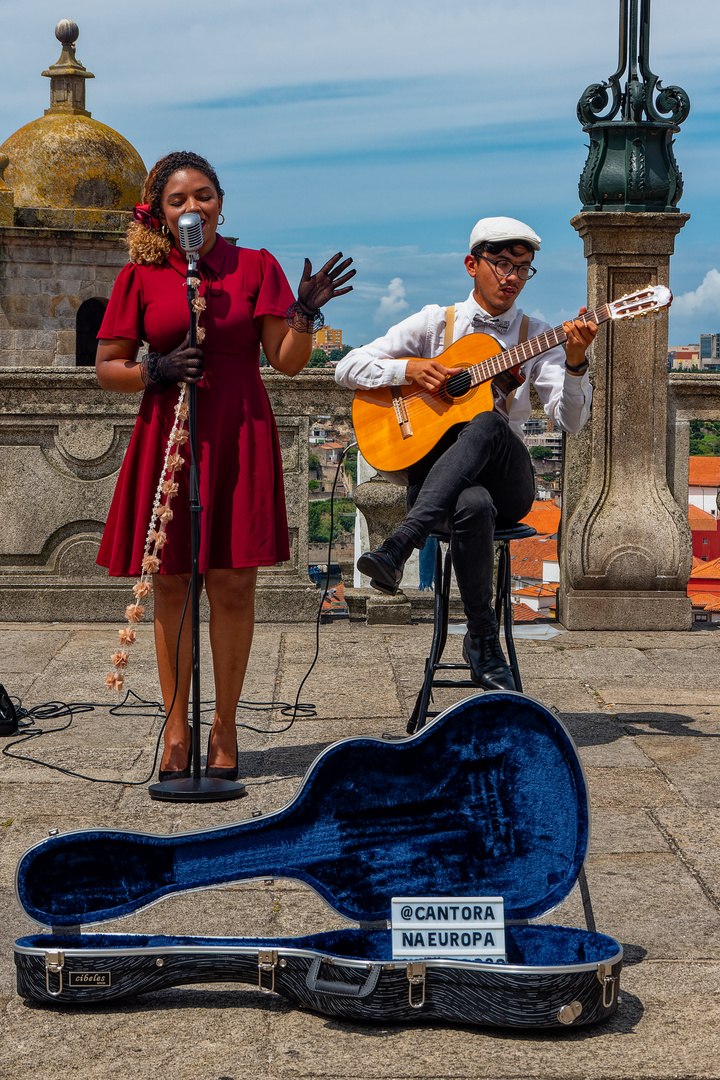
644 710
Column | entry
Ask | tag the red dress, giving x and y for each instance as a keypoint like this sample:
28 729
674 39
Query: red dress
241 488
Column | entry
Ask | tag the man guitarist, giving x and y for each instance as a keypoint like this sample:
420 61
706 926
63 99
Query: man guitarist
480 471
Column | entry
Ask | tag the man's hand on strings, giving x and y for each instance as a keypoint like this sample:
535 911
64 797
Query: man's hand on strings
316 289
580 336
430 374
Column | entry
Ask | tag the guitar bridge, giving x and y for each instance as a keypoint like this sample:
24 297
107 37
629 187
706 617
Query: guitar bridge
401 413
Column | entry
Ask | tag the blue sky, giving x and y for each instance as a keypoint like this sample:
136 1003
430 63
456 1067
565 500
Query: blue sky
385 128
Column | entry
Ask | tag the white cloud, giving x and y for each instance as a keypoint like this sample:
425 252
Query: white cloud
393 303
705 300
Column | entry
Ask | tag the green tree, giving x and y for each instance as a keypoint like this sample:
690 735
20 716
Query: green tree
337 354
313 485
705 438
318 358
313 461
541 453
263 358
351 463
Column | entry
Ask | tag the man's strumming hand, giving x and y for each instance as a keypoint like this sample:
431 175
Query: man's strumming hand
430 374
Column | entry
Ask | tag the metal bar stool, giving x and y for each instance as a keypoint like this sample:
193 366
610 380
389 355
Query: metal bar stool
442 578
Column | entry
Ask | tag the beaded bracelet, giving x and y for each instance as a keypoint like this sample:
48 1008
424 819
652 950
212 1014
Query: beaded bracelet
304 320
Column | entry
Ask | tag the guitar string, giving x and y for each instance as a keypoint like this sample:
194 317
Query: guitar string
429 396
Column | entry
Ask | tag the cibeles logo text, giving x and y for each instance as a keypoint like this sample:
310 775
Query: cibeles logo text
89 978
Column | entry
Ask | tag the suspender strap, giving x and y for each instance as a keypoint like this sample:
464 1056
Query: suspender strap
522 336
449 327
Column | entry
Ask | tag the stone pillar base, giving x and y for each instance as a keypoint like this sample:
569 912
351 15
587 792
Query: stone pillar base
657 610
388 610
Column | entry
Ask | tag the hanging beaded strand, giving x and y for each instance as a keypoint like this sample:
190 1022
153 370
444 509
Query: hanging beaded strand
160 517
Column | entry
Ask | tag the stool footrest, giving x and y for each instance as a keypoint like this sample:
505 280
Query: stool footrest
453 682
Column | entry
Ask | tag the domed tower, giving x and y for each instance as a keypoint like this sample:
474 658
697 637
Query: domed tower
68 184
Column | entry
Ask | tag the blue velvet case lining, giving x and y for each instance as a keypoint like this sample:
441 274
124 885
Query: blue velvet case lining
488 800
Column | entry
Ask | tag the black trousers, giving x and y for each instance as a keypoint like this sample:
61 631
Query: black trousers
476 475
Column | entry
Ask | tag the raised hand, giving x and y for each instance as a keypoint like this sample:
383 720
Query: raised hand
316 289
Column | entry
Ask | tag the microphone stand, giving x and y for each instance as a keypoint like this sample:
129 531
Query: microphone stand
196 788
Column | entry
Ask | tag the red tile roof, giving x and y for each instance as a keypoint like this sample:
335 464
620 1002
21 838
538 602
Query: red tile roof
521 613
536 590
544 516
704 471
707 601
706 569
700 520
527 556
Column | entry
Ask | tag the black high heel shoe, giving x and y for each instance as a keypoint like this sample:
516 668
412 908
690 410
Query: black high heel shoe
214 772
177 774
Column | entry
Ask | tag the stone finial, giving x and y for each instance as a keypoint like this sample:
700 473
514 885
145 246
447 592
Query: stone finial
67 31
67 76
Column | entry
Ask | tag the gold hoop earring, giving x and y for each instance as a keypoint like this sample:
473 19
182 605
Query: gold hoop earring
164 230
221 219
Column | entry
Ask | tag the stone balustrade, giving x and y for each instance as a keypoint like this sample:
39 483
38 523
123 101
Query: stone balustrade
62 440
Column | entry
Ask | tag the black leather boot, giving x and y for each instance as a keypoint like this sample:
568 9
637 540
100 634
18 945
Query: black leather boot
384 566
488 666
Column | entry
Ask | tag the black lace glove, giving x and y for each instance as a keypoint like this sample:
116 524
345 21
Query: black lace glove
315 290
183 364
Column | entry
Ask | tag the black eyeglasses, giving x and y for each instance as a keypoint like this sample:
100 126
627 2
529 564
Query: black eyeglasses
504 268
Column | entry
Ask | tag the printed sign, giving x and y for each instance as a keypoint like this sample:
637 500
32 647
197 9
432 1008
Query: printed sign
450 927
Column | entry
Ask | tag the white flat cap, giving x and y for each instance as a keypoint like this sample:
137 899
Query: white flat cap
494 229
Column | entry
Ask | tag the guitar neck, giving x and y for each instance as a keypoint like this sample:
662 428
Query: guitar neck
531 348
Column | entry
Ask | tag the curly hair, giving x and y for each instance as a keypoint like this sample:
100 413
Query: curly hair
148 245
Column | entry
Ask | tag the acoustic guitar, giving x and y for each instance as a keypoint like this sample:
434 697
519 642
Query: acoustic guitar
396 426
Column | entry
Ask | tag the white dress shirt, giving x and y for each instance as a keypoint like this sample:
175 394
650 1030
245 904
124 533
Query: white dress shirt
565 397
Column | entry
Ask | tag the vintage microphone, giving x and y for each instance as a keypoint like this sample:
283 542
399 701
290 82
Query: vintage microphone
196 788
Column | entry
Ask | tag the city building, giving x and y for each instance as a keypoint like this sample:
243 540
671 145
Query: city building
710 347
704 483
327 339
705 356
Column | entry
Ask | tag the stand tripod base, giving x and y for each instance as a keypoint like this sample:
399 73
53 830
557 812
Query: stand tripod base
204 789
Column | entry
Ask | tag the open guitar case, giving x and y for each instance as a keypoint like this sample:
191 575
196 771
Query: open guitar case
488 800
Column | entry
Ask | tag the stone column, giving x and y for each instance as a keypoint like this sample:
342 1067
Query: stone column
626 546
383 506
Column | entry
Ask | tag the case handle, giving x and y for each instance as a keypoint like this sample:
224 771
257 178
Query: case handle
340 989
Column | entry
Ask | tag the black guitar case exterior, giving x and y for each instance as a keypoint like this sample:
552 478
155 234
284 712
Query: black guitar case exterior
488 800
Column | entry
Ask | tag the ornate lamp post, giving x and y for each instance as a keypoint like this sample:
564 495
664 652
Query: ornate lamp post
631 165
626 547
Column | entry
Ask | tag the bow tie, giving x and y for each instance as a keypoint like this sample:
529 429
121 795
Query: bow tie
495 324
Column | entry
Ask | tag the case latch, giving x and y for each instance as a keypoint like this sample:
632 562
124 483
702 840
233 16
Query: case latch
609 983
54 962
267 961
416 977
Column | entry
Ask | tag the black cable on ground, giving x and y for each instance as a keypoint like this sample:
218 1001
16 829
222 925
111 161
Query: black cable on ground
28 719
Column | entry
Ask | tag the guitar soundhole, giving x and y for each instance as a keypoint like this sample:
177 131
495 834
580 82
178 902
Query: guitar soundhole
458 385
